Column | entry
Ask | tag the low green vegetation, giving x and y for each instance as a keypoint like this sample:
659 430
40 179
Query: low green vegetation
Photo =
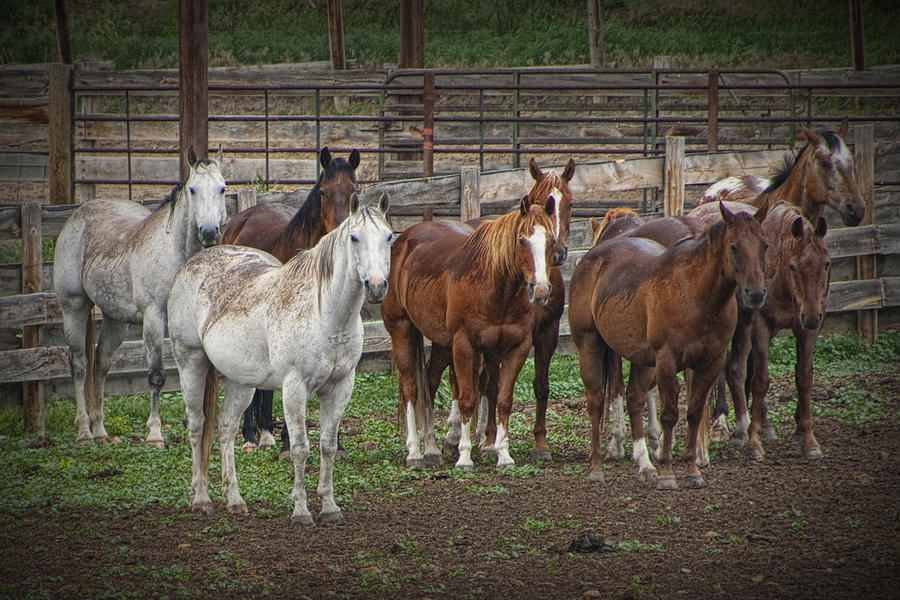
762 34
57 472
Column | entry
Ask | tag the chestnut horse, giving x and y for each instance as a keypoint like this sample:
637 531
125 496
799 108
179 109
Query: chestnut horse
549 187
282 232
471 294
665 310
822 174
798 271
667 231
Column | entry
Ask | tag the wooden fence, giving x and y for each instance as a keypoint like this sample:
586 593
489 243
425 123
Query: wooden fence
38 358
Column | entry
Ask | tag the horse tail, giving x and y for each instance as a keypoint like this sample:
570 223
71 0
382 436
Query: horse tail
705 424
210 406
612 366
422 387
90 377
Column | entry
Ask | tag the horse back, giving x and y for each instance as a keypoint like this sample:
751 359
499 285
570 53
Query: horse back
260 226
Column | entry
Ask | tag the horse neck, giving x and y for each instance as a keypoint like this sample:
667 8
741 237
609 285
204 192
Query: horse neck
794 190
306 228
174 219
340 293
705 265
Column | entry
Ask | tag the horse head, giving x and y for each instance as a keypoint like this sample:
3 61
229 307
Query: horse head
809 268
205 191
370 237
335 186
745 254
534 248
550 187
830 178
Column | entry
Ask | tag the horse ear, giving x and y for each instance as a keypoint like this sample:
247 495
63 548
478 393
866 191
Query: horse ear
523 205
812 136
192 157
569 173
762 211
536 172
354 159
354 202
325 157
384 203
727 215
821 227
845 127
797 227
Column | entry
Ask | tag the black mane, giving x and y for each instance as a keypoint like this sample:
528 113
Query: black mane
310 211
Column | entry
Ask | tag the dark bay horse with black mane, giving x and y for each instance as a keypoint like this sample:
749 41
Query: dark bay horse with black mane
665 310
471 294
283 232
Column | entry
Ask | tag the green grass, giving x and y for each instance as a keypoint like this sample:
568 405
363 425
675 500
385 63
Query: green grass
767 33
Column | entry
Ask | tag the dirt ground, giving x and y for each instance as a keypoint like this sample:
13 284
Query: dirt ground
782 528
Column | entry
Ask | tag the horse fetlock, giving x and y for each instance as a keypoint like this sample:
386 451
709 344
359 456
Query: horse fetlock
755 451
249 447
770 433
157 379
648 474
202 506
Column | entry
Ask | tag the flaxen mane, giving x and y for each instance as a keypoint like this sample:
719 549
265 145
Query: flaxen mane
493 245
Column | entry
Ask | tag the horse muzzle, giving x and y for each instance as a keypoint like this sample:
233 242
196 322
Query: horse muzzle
753 299
209 236
811 322
560 253
376 290
852 215
539 293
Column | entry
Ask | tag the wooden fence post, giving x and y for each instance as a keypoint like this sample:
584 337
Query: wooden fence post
864 157
62 117
673 177
428 126
712 133
193 66
469 193
32 335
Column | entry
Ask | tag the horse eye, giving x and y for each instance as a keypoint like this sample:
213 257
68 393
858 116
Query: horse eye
793 268
827 266
191 190
222 191
353 238
734 248
825 164
522 241
390 237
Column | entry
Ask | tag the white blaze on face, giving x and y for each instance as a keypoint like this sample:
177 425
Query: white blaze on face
555 195
538 241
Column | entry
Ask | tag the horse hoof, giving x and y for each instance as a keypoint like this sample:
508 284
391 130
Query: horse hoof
156 444
83 441
433 460
615 452
694 482
305 520
596 477
812 453
101 441
542 455
718 434
249 447
202 507
666 483
737 442
238 509
756 453
509 466
449 447
465 466
648 475
417 464
771 435
284 455
331 518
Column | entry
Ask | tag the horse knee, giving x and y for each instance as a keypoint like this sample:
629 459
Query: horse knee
157 378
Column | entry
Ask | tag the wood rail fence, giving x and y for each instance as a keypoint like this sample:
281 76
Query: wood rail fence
37 360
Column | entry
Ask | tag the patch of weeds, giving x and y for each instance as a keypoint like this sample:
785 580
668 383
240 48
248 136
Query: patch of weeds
407 492
799 522
220 529
668 521
525 471
457 571
856 407
540 525
853 522
638 546
574 470
486 489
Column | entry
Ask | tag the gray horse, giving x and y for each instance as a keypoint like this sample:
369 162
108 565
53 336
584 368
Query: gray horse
122 257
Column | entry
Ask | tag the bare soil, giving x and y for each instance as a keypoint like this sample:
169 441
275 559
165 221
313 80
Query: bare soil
781 528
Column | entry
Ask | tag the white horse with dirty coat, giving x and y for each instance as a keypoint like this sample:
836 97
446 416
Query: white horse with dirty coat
296 327
122 257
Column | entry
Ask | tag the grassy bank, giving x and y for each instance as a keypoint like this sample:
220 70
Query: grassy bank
765 34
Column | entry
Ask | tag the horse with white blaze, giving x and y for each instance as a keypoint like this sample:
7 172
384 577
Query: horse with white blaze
296 326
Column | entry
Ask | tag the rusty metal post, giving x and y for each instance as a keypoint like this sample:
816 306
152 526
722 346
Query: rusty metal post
428 127
712 135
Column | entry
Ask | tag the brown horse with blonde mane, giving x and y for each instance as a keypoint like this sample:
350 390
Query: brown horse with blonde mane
665 310
471 294
549 187
283 232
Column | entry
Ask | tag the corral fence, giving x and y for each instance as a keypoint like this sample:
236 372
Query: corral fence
33 353
116 133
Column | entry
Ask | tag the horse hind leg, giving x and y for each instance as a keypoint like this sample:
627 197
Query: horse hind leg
250 425
78 328
237 398
543 353
154 330
192 371
112 333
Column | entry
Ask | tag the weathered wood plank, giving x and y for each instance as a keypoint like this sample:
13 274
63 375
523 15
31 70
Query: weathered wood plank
29 309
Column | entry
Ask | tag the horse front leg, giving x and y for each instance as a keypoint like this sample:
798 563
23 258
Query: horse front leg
667 381
545 341
510 366
237 398
112 332
465 363
736 375
803 376
640 380
695 454
759 387
295 395
154 330
332 403
251 424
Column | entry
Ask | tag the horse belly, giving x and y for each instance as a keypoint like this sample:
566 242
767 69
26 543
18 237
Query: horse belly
248 361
